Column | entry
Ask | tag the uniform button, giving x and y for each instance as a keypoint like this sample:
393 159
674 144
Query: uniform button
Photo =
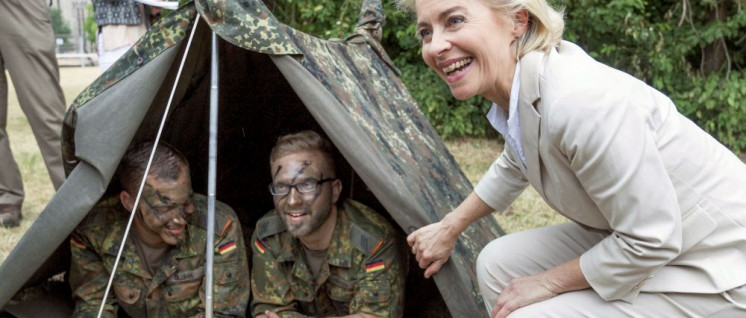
150 296
170 294
229 275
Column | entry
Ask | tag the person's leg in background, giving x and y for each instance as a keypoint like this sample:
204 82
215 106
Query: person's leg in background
27 50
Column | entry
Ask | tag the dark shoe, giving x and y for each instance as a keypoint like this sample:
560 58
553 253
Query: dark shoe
10 215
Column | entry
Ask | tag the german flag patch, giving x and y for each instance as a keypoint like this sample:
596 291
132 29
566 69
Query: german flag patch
227 247
77 243
259 246
374 266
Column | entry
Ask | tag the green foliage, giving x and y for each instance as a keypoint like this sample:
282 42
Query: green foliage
692 50
59 26
89 25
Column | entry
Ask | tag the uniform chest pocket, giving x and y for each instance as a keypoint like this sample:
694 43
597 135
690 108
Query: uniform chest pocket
129 298
340 289
182 290
227 277
128 295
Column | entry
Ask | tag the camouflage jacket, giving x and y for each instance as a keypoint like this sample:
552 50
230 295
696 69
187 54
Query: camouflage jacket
364 272
176 290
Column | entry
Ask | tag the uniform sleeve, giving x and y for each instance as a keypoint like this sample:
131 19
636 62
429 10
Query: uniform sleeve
231 279
380 289
503 182
269 285
88 279
611 148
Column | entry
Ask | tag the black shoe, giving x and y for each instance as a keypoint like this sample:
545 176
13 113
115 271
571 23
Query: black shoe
10 215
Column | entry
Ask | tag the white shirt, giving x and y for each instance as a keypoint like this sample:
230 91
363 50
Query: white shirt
508 125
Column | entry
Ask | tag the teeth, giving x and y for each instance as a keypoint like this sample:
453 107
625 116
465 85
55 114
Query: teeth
454 66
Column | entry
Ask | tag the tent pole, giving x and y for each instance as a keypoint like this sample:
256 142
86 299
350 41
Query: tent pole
147 169
212 164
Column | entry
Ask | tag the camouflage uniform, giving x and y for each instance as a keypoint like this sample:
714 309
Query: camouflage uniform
364 272
176 290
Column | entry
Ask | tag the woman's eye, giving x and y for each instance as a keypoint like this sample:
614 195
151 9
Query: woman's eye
455 20
424 33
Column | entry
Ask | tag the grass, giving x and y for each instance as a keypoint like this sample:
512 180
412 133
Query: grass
475 156
36 182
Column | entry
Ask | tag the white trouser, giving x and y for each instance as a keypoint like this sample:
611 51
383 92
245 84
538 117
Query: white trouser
534 251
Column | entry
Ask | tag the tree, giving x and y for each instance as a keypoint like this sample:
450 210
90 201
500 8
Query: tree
692 50
59 26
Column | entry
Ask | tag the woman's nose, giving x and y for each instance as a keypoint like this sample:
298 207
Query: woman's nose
438 45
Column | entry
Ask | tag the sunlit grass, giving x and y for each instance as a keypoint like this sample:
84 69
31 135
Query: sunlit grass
475 156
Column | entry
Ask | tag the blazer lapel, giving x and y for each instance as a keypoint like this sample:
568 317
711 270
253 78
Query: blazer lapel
531 68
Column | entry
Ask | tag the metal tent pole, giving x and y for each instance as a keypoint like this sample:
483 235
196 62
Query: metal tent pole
212 164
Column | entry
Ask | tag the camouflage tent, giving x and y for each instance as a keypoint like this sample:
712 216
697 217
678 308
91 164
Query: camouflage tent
273 80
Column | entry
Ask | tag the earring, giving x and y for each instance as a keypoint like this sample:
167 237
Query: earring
517 44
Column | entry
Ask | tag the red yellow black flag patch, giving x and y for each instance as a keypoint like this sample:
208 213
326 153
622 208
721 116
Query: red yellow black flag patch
227 247
374 266
259 246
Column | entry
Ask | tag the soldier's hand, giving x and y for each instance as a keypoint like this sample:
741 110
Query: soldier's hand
432 246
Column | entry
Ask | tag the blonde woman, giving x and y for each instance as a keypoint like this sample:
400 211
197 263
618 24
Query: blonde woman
658 206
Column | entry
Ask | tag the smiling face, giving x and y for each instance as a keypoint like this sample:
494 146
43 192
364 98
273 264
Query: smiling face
470 46
163 209
306 214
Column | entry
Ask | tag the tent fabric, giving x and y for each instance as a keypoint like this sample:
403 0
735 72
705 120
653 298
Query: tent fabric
99 154
349 89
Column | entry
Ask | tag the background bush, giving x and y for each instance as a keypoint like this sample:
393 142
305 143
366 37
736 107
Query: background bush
692 50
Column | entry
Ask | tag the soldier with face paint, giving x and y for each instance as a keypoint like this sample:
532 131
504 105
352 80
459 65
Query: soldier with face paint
315 256
161 272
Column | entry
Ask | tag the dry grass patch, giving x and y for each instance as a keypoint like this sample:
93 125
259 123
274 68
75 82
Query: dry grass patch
475 156
36 182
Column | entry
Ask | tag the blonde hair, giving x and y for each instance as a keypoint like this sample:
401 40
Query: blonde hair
545 24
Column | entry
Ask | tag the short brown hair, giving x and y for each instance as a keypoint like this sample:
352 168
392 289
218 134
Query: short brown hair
307 140
167 163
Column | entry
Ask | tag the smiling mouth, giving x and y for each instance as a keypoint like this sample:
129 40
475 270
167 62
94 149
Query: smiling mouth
296 216
176 230
455 67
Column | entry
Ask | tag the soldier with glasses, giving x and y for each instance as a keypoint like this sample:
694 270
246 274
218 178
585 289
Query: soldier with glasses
316 255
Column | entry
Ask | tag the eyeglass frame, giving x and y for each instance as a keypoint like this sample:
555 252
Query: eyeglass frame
295 186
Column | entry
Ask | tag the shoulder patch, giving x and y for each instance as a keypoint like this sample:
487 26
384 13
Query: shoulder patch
200 214
364 241
270 225
98 214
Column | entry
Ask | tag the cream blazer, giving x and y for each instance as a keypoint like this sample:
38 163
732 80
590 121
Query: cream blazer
613 154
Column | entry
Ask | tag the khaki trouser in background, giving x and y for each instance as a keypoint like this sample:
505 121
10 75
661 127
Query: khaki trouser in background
533 251
27 52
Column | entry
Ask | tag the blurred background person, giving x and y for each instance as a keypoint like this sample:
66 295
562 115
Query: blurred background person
120 24
27 51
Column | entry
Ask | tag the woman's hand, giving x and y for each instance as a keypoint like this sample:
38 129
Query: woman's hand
524 291
432 246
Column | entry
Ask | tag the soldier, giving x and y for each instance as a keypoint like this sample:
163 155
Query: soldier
162 268
315 257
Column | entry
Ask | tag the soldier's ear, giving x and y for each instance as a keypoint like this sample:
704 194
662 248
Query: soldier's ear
127 200
336 190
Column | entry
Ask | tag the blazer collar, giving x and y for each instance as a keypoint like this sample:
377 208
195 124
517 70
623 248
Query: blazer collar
532 67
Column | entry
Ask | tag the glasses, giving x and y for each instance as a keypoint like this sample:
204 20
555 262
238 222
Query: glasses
282 189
